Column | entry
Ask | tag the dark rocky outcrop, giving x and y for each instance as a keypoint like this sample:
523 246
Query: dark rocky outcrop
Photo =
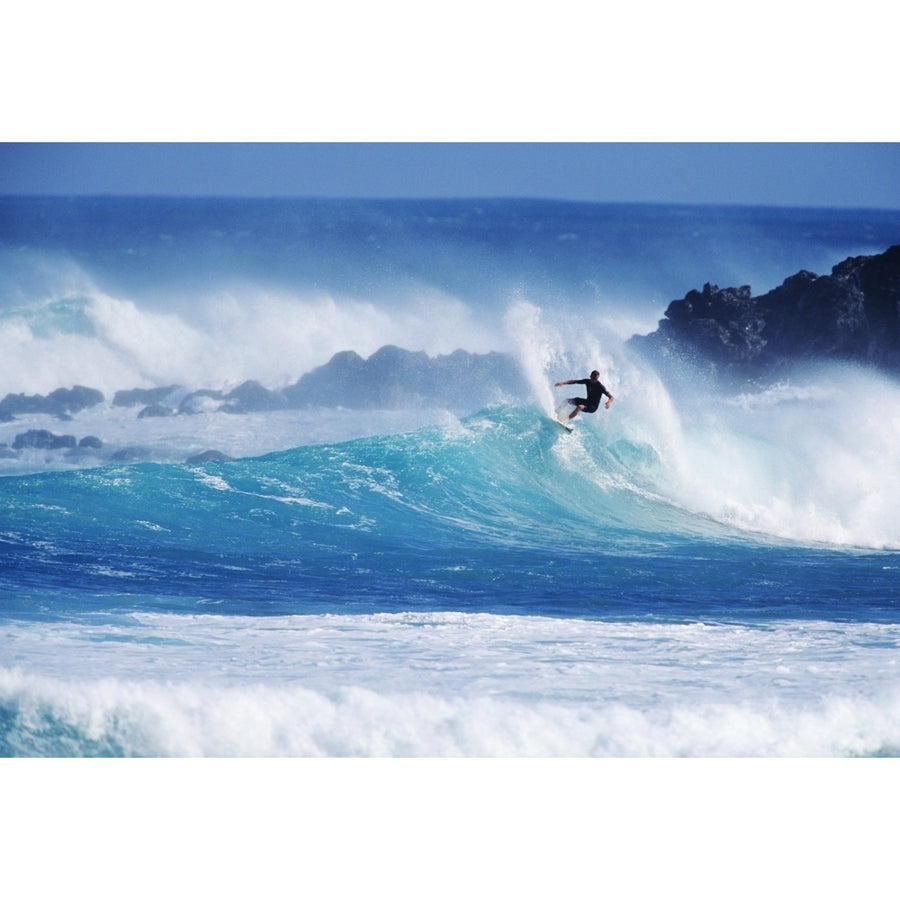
41 439
132 454
393 378
156 411
201 401
209 456
62 403
851 315
143 396
251 396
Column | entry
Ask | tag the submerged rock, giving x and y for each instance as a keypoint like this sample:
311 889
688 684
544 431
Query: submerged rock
132 454
209 456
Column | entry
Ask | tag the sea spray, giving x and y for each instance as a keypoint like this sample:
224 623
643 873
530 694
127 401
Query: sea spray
812 461
538 348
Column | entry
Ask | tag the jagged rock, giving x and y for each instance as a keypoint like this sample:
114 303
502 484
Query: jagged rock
200 402
852 314
393 378
41 439
75 399
63 402
251 396
156 411
131 454
209 456
143 396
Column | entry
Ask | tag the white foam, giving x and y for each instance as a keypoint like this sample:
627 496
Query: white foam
456 684
221 340
815 461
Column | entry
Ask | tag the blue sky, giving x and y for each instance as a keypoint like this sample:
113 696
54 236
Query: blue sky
483 70
789 174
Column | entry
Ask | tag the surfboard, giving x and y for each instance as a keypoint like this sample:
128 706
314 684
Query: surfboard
561 415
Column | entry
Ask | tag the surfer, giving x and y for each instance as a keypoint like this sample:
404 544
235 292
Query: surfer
595 392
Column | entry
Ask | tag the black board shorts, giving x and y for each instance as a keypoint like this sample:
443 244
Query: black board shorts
580 401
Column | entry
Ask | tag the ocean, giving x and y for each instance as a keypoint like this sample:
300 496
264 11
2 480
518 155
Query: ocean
695 572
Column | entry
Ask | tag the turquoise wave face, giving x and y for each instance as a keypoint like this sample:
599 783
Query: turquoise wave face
503 513
69 316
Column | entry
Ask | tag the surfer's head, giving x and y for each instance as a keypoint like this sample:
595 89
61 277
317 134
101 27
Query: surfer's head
595 374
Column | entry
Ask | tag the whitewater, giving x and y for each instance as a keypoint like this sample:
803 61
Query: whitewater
697 571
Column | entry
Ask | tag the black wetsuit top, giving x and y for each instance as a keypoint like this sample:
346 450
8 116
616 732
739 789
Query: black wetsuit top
595 392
